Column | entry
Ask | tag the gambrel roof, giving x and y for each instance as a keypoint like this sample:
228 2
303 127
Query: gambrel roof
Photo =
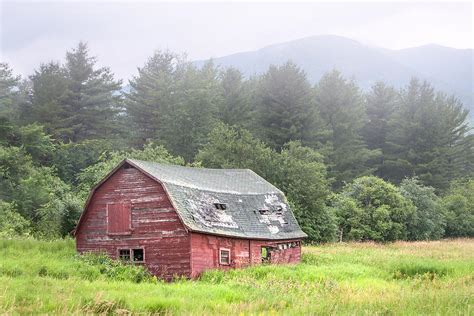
252 207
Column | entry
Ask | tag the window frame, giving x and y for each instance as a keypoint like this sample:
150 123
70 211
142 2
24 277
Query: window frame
220 257
119 250
131 252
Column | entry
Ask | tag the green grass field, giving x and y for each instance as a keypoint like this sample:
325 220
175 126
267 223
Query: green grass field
356 278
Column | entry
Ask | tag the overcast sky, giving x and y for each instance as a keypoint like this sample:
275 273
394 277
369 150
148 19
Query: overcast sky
123 34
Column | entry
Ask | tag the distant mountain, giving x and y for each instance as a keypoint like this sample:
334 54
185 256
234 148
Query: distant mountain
450 70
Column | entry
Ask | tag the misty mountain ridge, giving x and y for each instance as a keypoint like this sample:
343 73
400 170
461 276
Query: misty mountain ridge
449 70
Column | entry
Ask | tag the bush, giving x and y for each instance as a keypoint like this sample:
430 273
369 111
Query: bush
371 209
459 205
12 224
115 269
429 220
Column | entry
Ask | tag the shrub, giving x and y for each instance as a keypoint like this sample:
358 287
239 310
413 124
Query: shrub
116 270
12 224
459 204
371 209
429 220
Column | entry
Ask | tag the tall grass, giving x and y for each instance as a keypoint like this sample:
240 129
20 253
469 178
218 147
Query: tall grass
398 278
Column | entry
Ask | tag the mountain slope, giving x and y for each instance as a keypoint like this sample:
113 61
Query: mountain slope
449 70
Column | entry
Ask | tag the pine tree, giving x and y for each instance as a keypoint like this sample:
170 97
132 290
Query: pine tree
341 106
381 102
75 101
93 99
49 87
152 92
187 123
428 138
235 108
285 107
8 86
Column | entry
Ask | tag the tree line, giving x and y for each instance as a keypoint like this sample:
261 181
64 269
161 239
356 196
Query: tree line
384 164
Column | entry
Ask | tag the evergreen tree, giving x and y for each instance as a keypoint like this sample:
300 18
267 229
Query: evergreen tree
93 99
428 138
235 107
152 92
187 123
76 101
381 102
8 91
285 108
49 88
174 103
342 108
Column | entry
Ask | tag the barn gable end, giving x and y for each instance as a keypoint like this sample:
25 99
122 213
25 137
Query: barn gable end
154 224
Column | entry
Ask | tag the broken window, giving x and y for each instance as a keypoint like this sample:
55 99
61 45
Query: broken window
138 255
124 254
220 206
288 245
266 255
134 255
224 256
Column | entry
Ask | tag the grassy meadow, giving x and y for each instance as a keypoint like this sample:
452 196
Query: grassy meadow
354 278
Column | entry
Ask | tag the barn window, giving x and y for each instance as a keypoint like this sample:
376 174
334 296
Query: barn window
138 255
224 256
119 218
220 206
124 254
266 254
134 255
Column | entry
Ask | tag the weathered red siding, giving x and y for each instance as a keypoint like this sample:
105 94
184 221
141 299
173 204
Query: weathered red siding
291 255
155 225
243 252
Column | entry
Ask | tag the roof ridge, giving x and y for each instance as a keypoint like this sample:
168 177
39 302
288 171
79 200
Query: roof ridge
189 167
235 181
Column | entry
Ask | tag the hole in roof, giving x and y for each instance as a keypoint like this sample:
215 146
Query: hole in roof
220 206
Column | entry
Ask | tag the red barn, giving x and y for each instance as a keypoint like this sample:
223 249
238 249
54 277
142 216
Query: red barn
180 221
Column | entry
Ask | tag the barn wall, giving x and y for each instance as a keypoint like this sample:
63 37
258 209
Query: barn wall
156 226
291 255
244 252
205 252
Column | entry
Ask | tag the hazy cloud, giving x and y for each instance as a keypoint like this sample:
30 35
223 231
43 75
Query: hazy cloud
123 34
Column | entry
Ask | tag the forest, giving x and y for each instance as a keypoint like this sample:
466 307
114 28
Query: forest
380 165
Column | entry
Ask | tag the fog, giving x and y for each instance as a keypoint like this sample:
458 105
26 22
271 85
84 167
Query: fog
123 34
